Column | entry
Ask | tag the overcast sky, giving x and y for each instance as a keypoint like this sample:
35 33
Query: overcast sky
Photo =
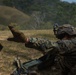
69 0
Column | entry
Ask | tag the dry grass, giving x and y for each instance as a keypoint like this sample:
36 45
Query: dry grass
12 49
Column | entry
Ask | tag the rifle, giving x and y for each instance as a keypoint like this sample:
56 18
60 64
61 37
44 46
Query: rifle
23 69
19 69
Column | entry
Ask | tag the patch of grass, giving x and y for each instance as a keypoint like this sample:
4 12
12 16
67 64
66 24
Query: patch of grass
12 49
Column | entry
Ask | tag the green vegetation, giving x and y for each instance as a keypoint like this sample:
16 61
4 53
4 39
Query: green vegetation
10 15
43 13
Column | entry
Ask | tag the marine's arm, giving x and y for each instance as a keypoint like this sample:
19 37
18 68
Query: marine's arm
43 45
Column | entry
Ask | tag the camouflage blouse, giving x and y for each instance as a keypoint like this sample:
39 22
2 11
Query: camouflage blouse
46 45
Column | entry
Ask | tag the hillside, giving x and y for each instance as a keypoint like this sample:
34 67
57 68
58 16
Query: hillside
11 15
43 13
50 10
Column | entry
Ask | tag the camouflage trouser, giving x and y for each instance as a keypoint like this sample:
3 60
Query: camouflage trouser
43 45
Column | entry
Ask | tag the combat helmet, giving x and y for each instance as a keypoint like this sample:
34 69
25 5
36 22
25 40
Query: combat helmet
65 29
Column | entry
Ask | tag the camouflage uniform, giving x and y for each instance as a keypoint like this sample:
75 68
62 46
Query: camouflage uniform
62 52
44 44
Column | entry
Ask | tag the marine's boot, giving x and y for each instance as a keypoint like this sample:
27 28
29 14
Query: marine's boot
1 47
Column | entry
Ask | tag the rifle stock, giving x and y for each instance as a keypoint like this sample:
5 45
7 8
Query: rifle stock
22 68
